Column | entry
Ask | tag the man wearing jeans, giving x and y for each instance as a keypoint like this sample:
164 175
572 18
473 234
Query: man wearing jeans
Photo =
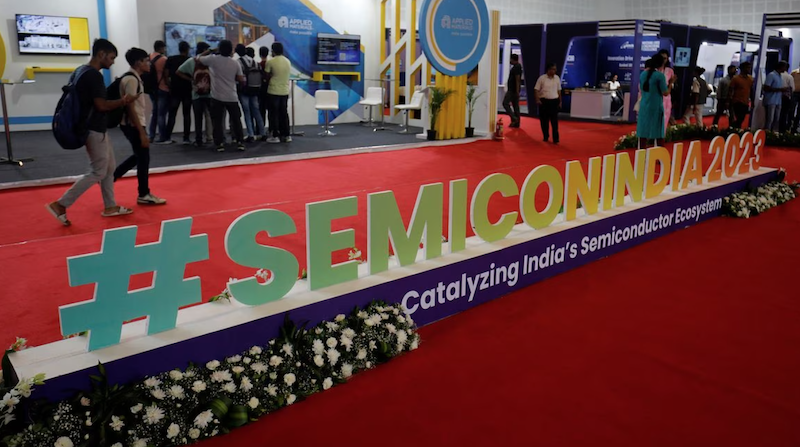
132 126
773 92
739 94
548 98
248 96
180 91
225 74
159 97
91 90
200 78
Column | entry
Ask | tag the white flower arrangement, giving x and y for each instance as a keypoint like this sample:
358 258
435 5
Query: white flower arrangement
180 407
748 204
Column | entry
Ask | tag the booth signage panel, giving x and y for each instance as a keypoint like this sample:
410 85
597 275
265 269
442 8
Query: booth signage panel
615 54
454 34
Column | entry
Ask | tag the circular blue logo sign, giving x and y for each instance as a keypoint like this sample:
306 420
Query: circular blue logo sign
454 34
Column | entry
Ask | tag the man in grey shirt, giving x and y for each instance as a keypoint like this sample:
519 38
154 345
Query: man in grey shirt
225 74
723 89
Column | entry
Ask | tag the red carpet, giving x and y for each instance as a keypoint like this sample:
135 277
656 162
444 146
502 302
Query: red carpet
687 340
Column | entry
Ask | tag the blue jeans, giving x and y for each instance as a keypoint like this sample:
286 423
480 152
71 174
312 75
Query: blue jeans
252 113
160 100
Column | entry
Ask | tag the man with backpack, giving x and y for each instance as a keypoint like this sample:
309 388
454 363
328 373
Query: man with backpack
156 85
200 78
180 91
226 74
248 95
132 125
263 94
87 88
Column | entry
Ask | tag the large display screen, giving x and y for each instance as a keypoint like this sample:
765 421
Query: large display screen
339 49
53 35
191 34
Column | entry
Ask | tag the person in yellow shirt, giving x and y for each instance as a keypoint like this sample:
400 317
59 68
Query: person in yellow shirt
279 68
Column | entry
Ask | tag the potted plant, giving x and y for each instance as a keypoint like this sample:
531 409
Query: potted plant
435 102
472 99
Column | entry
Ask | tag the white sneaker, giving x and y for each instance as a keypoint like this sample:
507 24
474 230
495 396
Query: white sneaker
150 199
288 140
273 140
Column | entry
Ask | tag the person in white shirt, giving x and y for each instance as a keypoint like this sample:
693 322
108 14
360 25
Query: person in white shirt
548 97
786 101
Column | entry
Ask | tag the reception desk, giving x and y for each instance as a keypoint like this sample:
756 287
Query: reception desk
591 104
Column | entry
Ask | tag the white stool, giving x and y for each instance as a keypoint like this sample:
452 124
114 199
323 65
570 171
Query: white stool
327 100
374 98
415 104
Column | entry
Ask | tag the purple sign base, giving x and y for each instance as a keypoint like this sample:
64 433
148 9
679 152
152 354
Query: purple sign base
450 289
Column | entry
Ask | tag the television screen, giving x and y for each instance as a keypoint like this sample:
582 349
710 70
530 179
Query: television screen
191 34
683 57
339 49
53 35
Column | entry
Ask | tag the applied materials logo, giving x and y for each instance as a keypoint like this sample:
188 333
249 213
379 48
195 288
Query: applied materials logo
454 34
295 24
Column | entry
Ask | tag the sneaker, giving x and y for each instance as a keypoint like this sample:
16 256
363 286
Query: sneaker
164 142
187 142
240 146
249 139
273 140
221 148
198 144
287 140
263 138
150 199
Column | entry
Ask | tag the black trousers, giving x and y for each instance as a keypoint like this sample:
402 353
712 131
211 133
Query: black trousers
511 105
548 116
263 105
723 106
140 159
218 109
739 114
200 105
787 114
279 116
176 102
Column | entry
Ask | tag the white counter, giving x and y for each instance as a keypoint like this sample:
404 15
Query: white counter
591 104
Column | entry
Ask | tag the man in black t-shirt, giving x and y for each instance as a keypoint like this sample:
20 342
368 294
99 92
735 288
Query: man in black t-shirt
180 91
512 91
91 91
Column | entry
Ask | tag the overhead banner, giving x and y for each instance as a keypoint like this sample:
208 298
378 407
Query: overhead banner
454 34
615 55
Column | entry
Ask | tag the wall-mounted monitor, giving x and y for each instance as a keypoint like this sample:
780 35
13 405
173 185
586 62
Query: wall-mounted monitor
683 57
38 34
191 34
338 49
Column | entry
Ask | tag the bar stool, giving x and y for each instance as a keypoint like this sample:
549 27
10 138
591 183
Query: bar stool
415 104
374 98
327 100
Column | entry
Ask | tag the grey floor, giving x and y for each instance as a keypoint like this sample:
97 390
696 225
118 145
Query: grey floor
51 161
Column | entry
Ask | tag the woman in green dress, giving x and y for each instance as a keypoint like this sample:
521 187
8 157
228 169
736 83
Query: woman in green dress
654 87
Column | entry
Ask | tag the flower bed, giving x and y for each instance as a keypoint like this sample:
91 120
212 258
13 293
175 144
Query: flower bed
746 204
181 407
683 132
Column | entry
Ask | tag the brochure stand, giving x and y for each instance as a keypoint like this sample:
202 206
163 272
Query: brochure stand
10 160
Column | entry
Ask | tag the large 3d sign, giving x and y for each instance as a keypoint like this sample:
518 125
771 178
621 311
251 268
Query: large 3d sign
454 34
608 183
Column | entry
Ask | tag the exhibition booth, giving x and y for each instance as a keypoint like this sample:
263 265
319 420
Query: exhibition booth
589 54
374 70
778 33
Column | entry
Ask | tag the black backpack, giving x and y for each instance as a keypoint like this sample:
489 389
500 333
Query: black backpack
112 94
69 125
253 78
151 79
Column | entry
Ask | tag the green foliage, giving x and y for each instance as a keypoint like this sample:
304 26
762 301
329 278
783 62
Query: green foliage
684 132
472 99
436 101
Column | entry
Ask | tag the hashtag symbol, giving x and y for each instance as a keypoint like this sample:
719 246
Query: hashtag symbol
111 268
